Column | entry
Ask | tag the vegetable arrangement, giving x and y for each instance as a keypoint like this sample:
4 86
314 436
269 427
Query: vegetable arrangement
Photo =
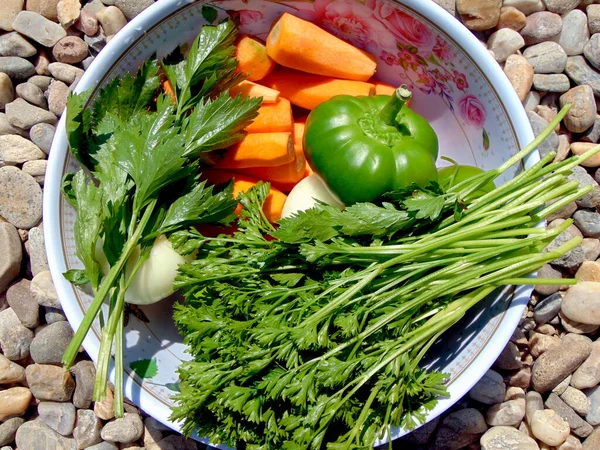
310 297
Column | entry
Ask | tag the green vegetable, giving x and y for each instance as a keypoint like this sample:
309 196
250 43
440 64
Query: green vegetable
144 157
313 339
452 175
365 146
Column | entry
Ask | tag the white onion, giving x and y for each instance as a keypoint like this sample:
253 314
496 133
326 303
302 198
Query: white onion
305 194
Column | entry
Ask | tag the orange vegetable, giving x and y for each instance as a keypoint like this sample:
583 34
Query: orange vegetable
289 173
384 89
299 126
253 59
302 45
241 183
250 89
309 91
273 117
259 150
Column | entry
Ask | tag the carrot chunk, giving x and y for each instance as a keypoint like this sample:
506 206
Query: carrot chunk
259 150
308 90
274 202
253 59
302 45
384 89
249 89
273 117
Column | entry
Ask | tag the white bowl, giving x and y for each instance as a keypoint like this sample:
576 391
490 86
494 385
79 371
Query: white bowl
457 86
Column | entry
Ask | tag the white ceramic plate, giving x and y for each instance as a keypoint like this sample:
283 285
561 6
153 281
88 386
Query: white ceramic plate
457 86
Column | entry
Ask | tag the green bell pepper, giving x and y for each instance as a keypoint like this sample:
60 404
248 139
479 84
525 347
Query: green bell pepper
364 147
452 175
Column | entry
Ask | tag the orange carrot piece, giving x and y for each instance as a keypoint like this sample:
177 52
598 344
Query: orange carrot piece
289 173
249 89
253 59
299 126
273 205
384 88
259 150
298 44
273 117
308 90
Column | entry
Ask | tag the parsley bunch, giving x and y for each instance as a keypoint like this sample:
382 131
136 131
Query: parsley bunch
143 152
311 335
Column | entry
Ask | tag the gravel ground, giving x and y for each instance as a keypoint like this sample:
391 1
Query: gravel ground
543 392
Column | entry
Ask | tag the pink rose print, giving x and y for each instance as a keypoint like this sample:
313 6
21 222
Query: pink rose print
406 28
472 110
442 50
408 59
389 58
460 80
355 23
248 16
427 78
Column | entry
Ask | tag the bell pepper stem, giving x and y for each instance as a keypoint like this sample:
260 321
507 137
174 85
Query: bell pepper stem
391 109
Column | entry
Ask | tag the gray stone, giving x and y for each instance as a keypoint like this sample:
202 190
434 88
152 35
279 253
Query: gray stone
46 8
420 436
16 68
534 402
547 309
506 438
42 135
87 431
103 446
96 42
591 248
582 303
57 97
16 150
593 396
15 338
132 8
38 28
490 389
509 413
19 298
541 26
575 32
113 20
43 289
581 73
65 72
87 62
32 93
53 315
593 441
588 222
573 258
8 430
50 383
58 416
20 198
37 249
582 176
563 213
13 44
35 435
576 400
84 373
579 427
559 361
527 7
546 57
8 13
24 115
539 124
591 50
561 6
12 254
505 42
50 343
582 114
459 429
6 128
126 429
7 92
510 358
41 81
70 50
547 271
532 101
551 83
593 13
572 326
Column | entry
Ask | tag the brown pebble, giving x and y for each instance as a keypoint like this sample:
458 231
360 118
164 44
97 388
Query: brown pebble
520 73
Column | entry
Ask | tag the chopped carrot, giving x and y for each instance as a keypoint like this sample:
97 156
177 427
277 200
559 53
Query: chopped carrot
253 59
384 88
308 90
168 90
299 44
289 173
274 202
249 89
259 150
299 126
273 117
